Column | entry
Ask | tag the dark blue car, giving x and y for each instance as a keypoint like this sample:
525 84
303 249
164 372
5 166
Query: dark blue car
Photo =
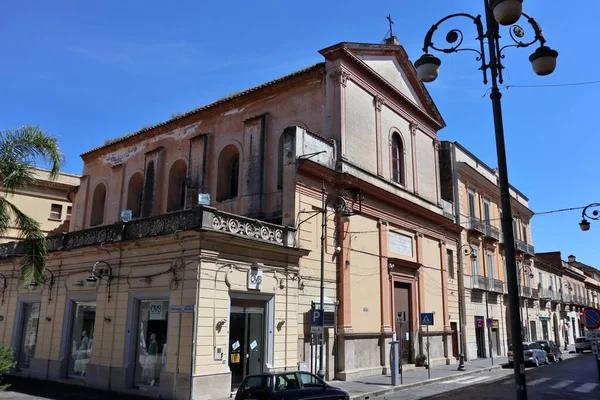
288 386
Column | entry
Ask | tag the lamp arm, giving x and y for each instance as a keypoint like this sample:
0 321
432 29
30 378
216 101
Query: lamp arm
516 33
593 214
456 36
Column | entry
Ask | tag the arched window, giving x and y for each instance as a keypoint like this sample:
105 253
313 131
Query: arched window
228 173
280 163
134 194
148 194
397 159
98 202
176 194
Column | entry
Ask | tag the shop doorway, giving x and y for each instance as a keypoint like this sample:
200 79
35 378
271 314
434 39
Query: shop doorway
246 338
28 336
454 328
545 331
495 341
480 336
533 330
151 342
402 303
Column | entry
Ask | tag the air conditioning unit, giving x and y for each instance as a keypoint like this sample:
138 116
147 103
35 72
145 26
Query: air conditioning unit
204 199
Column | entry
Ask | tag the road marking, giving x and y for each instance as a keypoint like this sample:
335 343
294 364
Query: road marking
586 387
468 380
561 384
537 381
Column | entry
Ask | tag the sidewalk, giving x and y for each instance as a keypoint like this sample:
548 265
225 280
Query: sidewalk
374 386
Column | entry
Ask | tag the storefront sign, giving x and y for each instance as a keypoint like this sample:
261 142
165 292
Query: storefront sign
495 324
156 311
255 278
401 244
479 322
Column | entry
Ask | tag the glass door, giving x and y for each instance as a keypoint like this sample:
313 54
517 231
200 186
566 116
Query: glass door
82 337
151 342
31 319
246 339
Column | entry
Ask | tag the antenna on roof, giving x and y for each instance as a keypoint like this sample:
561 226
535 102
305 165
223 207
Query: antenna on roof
392 39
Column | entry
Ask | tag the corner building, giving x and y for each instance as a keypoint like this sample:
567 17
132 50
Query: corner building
194 251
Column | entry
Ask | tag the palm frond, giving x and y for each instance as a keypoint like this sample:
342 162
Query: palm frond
19 150
33 262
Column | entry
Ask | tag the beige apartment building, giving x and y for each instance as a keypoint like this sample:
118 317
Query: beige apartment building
194 251
48 201
470 190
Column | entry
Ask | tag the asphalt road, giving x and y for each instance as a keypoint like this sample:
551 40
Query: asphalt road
574 378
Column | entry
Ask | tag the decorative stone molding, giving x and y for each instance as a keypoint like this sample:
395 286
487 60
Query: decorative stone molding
340 77
413 126
379 102
253 229
198 218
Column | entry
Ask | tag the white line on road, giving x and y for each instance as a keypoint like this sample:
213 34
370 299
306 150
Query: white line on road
586 387
561 384
537 381
468 380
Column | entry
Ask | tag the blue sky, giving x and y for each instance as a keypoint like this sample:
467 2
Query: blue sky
91 71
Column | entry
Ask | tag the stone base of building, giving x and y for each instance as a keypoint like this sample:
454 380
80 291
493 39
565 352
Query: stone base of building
217 386
362 354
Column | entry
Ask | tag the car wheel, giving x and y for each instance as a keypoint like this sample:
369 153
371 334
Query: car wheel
537 362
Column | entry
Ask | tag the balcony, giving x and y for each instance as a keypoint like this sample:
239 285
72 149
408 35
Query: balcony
530 250
535 293
491 232
496 285
448 209
480 282
520 246
201 218
525 291
547 294
473 224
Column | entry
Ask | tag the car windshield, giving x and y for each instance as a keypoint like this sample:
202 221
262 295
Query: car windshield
259 382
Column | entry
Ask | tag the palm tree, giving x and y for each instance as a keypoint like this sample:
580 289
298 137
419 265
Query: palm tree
20 149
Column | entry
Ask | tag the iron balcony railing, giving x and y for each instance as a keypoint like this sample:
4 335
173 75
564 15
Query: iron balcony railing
480 282
525 291
473 223
491 232
530 250
535 293
498 286
521 246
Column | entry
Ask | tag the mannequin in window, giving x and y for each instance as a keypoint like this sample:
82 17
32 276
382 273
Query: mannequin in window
149 372
82 354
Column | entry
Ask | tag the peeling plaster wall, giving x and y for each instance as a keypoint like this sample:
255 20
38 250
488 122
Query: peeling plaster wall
298 102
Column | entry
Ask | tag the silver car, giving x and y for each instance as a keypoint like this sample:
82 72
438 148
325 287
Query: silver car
532 354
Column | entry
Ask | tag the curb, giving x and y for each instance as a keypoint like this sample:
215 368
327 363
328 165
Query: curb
394 389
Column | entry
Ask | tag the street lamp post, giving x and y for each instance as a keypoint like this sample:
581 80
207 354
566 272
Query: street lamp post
467 251
543 61
594 214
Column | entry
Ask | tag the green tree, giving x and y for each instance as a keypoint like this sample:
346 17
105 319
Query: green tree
20 149
7 362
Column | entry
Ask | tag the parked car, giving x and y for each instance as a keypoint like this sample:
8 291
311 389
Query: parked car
552 350
582 344
288 385
532 354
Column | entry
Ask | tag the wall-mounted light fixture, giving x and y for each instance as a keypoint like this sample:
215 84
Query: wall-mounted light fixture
146 279
107 319
104 274
48 282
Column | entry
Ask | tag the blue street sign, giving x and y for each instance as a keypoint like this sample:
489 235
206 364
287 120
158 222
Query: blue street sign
426 319
316 317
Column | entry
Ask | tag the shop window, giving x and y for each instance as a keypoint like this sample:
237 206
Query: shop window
151 342
82 338
31 319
